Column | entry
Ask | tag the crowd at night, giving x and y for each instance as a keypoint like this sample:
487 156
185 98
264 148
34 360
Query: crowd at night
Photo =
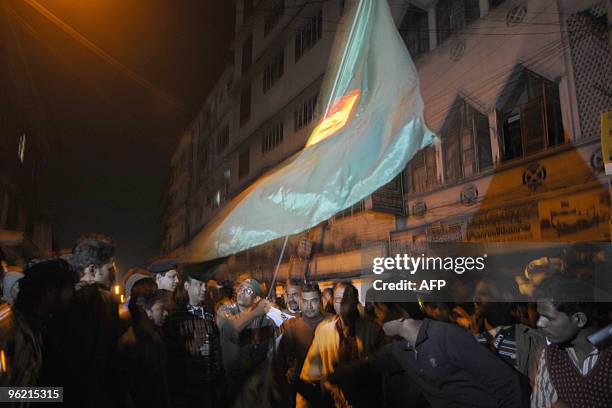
182 338
306 203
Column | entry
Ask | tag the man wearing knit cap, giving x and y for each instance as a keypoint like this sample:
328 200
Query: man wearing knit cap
166 274
247 335
10 286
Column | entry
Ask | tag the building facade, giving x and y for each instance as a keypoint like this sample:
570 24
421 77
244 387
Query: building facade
25 144
513 89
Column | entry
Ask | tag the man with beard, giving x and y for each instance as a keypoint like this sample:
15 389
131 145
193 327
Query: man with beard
571 372
247 336
291 296
81 352
346 338
194 350
296 338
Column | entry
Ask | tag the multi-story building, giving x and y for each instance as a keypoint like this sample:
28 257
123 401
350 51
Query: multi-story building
200 169
514 90
25 144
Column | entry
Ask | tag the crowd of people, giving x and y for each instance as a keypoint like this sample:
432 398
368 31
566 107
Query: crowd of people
182 339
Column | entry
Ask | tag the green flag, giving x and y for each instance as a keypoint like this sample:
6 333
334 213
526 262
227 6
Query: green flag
372 125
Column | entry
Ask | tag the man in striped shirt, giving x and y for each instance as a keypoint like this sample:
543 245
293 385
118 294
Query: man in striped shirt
570 370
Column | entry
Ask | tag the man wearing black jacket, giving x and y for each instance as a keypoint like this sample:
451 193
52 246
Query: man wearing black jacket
194 351
81 351
445 362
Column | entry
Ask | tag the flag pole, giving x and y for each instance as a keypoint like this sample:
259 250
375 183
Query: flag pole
280 258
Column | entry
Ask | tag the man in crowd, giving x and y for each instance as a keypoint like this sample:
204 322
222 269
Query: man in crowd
297 335
166 274
345 339
46 289
194 349
571 372
82 351
142 377
514 343
291 297
247 336
446 363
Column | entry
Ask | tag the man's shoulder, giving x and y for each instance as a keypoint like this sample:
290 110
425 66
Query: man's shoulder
291 325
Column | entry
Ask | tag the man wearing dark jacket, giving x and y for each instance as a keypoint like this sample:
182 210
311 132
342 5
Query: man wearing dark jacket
194 350
448 365
81 352
144 363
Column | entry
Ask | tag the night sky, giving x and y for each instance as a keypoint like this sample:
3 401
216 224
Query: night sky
116 135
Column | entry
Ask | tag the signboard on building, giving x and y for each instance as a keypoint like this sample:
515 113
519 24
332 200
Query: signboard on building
578 217
516 223
606 141
389 198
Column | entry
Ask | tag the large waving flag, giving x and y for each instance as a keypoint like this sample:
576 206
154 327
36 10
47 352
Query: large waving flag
371 127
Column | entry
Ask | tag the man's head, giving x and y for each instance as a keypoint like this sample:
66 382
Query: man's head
249 292
310 300
154 305
391 315
327 300
566 307
292 293
93 257
495 298
196 290
346 299
166 274
47 286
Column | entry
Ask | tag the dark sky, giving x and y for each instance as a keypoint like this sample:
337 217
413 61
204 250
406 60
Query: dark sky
115 135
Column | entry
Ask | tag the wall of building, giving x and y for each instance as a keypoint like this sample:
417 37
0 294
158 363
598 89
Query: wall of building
513 55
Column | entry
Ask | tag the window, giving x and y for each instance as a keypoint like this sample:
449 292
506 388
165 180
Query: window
274 71
422 173
272 18
21 147
223 139
308 36
203 156
453 15
215 201
272 138
304 113
247 53
247 9
245 105
531 115
414 30
466 144
244 162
